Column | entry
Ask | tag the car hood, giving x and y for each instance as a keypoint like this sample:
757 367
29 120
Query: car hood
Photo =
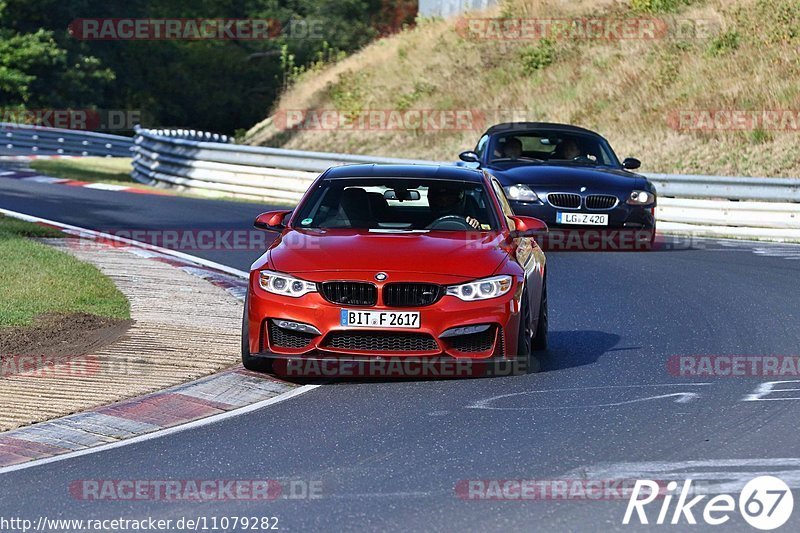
569 176
457 254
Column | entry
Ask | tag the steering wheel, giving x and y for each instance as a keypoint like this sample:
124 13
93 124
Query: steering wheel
450 222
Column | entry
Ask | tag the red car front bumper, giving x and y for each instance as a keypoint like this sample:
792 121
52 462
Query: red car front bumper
267 339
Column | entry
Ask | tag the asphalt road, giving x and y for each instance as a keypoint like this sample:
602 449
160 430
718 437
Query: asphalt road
389 455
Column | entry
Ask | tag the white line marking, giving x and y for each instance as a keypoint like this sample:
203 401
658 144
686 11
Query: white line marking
108 236
162 433
683 397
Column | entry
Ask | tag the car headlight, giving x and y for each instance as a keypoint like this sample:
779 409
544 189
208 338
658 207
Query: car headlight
481 289
285 285
641 198
521 193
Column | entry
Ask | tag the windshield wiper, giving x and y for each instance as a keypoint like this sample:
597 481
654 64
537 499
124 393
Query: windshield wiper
520 159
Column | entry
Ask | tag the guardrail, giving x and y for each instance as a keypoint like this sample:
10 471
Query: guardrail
730 206
22 139
265 174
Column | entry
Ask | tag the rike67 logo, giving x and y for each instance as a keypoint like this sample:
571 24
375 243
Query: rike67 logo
765 503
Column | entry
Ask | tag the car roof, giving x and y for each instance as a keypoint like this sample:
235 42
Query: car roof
522 126
442 172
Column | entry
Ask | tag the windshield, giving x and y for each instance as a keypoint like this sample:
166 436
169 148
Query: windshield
553 146
398 204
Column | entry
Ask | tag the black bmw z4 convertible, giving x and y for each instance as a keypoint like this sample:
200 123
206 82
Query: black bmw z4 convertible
570 178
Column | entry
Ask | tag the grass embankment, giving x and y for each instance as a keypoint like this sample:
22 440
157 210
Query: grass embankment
628 89
112 170
37 280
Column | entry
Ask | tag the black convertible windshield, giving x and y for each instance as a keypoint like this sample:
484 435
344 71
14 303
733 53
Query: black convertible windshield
398 204
552 146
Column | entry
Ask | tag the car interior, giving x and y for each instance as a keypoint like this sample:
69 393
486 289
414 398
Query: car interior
548 147
397 207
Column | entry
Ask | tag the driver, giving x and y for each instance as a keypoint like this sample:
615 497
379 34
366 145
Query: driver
568 149
448 200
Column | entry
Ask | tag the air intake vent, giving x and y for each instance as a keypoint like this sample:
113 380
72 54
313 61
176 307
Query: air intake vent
286 338
564 200
349 292
474 342
411 294
366 341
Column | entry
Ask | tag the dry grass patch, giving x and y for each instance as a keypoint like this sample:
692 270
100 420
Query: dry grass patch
629 90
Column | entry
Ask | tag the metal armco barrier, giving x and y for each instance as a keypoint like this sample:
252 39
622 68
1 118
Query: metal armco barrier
265 174
21 139
729 188
731 206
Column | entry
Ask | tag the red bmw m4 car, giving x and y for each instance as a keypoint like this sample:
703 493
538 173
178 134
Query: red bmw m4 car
399 263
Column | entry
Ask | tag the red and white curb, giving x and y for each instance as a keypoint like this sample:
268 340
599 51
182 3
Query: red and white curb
227 392
223 395
29 175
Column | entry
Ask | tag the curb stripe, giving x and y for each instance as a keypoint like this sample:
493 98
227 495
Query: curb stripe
30 175
162 433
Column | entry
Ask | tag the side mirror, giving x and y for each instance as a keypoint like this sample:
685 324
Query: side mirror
631 163
528 226
271 221
469 157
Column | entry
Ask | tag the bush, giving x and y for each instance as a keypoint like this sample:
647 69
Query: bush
538 56
347 94
724 43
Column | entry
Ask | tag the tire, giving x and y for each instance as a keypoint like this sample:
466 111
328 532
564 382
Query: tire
540 336
255 364
524 357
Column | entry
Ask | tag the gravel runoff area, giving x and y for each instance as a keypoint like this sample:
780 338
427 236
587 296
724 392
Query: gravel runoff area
183 328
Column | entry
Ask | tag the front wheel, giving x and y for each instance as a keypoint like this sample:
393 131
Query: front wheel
256 364
524 353
542 325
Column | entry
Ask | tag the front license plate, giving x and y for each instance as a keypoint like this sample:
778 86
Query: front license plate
582 219
379 319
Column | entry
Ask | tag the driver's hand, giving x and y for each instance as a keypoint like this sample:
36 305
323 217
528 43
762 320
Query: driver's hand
473 222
